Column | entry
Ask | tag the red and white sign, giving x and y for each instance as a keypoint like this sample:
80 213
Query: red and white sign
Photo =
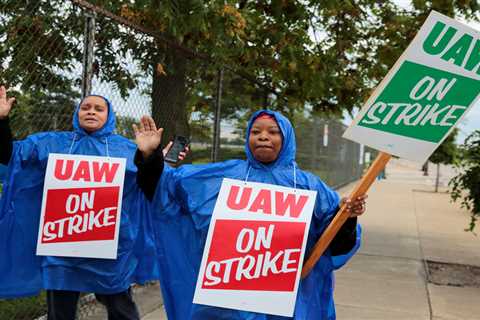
81 207
255 247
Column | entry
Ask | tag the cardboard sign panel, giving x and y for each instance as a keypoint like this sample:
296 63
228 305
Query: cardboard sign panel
81 207
425 95
254 249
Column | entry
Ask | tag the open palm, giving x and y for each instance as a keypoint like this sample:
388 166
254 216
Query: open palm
147 136
5 104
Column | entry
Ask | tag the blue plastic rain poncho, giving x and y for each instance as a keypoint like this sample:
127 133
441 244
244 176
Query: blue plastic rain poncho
183 206
22 273
3 172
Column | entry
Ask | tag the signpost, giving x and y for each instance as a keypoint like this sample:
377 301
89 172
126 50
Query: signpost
424 96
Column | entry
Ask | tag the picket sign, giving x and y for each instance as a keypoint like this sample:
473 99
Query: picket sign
81 206
428 91
255 246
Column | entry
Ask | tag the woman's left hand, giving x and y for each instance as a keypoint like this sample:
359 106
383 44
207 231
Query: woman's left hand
181 156
147 136
356 207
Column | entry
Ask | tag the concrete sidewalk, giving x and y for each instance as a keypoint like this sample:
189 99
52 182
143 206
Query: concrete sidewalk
405 225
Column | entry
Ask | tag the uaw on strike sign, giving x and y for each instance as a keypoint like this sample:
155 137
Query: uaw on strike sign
255 247
82 198
426 94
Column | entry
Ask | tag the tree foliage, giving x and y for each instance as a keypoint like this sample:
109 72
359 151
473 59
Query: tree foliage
124 125
466 185
283 54
38 48
447 151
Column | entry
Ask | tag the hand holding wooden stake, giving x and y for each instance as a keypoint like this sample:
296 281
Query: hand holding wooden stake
377 166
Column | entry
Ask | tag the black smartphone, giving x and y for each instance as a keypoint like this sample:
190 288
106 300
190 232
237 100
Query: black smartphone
179 145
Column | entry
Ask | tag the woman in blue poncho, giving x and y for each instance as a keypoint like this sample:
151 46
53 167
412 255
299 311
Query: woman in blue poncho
184 202
22 273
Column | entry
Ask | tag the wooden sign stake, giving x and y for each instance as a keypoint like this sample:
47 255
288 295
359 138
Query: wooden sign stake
367 180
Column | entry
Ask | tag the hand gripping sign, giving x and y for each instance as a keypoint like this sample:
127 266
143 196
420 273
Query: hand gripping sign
424 96
81 207
255 247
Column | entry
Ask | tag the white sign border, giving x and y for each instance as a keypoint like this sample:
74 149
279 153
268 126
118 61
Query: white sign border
402 146
102 249
268 302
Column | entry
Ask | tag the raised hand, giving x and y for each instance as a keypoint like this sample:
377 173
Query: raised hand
147 136
5 104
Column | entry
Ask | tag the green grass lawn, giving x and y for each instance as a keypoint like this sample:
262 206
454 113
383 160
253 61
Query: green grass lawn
199 156
23 308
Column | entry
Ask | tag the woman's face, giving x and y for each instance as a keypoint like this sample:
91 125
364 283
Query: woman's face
93 113
265 139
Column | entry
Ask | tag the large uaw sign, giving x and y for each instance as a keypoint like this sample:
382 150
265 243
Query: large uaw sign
81 208
425 95
255 247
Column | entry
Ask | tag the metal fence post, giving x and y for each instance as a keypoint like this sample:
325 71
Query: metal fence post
88 48
216 127
314 140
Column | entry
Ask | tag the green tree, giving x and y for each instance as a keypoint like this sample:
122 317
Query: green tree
38 48
124 126
269 42
445 154
281 54
466 185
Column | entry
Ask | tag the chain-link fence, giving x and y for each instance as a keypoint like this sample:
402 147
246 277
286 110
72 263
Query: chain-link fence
52 53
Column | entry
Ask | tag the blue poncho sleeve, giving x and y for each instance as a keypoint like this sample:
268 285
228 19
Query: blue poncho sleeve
20 269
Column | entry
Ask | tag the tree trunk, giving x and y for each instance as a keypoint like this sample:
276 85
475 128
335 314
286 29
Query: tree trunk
425 168
169 96
437 180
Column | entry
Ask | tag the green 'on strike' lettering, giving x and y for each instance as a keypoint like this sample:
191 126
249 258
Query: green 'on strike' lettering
421 102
